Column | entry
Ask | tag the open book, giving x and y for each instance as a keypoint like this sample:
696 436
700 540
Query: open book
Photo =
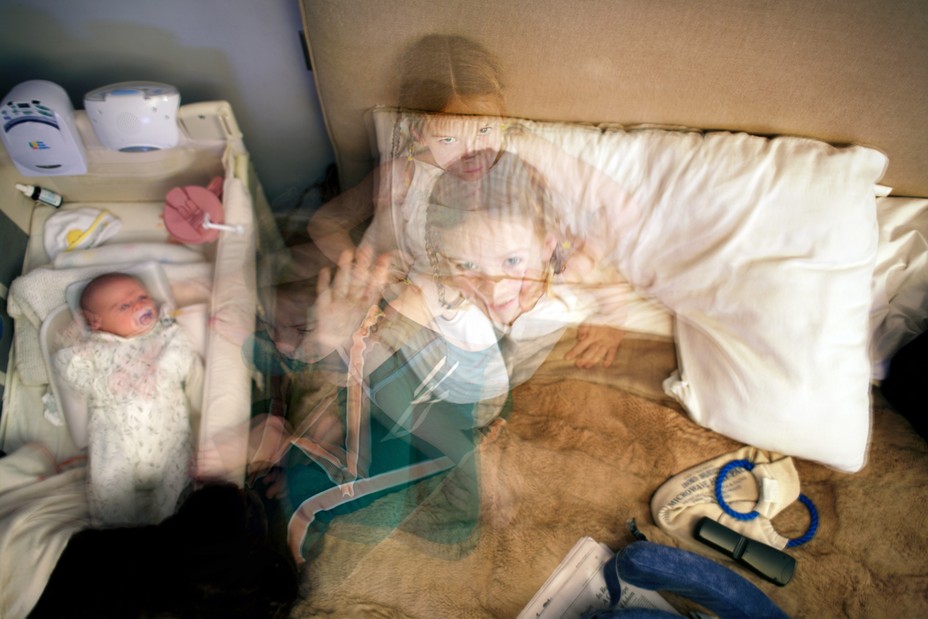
578 586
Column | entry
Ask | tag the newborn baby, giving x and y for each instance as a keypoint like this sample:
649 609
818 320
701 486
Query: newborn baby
132 367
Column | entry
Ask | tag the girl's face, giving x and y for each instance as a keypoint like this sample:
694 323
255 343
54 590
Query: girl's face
464 146
497 264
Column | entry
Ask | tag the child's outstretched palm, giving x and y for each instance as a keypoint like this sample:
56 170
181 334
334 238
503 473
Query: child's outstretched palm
344 298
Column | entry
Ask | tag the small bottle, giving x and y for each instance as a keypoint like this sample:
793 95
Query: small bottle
41 194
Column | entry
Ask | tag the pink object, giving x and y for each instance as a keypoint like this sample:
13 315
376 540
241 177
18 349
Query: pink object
189 210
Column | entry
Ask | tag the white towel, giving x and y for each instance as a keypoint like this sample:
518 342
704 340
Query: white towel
78 229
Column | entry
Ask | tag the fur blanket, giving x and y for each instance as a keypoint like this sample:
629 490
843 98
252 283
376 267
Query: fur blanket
581 454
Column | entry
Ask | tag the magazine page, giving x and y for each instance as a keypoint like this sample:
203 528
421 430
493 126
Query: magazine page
578 586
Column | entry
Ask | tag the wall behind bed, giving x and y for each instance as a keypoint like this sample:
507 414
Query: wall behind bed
247 52
837 70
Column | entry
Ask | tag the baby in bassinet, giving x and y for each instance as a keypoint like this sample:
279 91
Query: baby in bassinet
132 367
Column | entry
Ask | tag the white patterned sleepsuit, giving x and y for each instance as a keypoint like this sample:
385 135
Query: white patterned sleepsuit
139 427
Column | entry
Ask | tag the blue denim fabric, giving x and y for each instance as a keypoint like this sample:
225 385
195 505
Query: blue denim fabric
663 568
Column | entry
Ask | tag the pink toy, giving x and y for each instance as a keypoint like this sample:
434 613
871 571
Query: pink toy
193 214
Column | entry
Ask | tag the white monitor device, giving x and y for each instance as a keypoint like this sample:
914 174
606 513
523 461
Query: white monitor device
134 116
39 132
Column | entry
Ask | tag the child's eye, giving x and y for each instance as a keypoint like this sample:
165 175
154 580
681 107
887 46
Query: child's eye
466 266
124 307
448 140
513 261
485 130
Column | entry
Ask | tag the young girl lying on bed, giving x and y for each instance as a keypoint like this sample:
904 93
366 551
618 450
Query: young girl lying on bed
132 367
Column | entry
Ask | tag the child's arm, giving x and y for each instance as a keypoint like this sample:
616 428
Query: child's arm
330 226
381 191
76 373
600 335
193 386
595 344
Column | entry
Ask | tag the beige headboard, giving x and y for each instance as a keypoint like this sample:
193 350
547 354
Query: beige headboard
844 71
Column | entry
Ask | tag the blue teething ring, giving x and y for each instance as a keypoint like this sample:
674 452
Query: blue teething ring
748 465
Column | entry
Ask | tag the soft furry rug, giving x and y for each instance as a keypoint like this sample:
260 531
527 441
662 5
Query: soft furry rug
581 454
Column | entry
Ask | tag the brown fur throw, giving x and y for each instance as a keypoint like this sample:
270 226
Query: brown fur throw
581 454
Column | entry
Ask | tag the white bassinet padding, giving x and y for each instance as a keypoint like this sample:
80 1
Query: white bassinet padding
228 379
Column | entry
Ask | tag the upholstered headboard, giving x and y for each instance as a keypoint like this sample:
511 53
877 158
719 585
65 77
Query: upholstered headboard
843 71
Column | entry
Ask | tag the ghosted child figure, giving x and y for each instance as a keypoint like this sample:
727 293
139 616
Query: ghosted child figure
495 301
133 368
444 75
451 124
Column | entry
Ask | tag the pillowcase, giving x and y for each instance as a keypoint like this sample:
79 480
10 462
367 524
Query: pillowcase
764 249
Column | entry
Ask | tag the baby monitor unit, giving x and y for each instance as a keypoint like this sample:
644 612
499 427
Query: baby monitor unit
134 116
39 131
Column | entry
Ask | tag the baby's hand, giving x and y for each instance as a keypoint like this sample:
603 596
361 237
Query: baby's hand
595 344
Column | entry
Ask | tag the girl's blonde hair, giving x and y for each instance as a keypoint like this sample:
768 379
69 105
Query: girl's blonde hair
438 70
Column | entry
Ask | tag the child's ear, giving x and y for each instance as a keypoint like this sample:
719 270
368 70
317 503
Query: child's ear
92 319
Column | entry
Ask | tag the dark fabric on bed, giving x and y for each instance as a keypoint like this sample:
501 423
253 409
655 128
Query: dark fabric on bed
306 479
908 371
211 559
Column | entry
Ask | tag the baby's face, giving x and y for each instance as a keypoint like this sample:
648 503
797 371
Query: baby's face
122 307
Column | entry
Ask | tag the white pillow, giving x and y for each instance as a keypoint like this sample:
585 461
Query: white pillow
764 249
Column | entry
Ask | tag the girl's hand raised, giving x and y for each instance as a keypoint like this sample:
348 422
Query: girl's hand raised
343 300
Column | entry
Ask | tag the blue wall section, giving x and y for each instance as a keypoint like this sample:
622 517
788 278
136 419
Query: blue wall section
246 52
